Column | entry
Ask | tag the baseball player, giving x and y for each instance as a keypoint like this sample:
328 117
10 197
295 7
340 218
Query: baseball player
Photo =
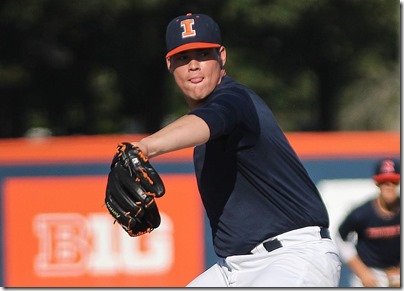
369 237
269 224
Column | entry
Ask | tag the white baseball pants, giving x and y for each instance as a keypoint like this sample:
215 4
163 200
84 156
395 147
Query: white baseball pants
304 260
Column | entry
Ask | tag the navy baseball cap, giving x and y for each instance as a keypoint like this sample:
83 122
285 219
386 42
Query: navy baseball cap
387 170
192 31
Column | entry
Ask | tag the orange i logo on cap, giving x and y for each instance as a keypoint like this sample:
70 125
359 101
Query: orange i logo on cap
187 25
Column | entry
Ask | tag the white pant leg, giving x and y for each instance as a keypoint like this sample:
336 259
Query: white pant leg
213 277
305 260
309 264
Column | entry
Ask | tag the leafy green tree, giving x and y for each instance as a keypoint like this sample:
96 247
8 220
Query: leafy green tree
301 56
97 66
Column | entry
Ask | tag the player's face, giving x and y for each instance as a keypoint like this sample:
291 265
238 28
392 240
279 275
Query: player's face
198 72
388 192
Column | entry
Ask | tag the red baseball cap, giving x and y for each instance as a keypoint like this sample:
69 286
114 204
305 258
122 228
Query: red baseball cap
387 170
192 31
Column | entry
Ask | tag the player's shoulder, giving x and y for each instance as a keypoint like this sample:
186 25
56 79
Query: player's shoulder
363 210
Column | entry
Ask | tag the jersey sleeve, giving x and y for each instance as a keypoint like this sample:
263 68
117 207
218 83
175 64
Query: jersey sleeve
346 227
230 110
222 114
356 221
346 236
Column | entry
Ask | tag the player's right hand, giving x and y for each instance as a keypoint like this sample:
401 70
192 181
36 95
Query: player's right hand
368 279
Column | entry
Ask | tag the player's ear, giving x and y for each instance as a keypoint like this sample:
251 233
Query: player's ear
168 62
222 56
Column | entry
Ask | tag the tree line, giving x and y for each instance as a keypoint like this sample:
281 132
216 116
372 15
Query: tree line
97 66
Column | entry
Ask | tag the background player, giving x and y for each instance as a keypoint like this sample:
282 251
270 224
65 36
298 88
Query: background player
369 237
269 224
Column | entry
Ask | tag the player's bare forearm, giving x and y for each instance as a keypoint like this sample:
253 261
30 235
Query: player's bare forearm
187 131
363 272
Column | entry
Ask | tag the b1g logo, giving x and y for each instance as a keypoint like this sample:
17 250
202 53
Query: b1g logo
71 244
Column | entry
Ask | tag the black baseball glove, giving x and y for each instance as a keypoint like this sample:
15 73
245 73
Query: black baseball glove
132 187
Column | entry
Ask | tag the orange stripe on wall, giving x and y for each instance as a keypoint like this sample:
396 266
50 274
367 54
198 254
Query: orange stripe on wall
84 149
345 144
81 149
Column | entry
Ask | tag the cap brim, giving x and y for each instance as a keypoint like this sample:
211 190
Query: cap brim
387 177
192 46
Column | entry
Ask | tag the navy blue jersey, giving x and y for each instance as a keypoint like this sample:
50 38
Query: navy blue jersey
252 183
378 243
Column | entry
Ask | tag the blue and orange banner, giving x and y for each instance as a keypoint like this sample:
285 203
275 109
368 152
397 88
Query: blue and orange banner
56 231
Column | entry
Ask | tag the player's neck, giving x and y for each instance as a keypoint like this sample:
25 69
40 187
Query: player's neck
387 209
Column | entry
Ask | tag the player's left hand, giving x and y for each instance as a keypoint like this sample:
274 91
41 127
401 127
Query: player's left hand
133 184
393 274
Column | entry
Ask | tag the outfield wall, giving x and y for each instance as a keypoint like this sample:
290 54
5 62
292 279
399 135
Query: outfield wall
56 231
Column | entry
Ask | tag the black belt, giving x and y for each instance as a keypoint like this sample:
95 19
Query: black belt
276 244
